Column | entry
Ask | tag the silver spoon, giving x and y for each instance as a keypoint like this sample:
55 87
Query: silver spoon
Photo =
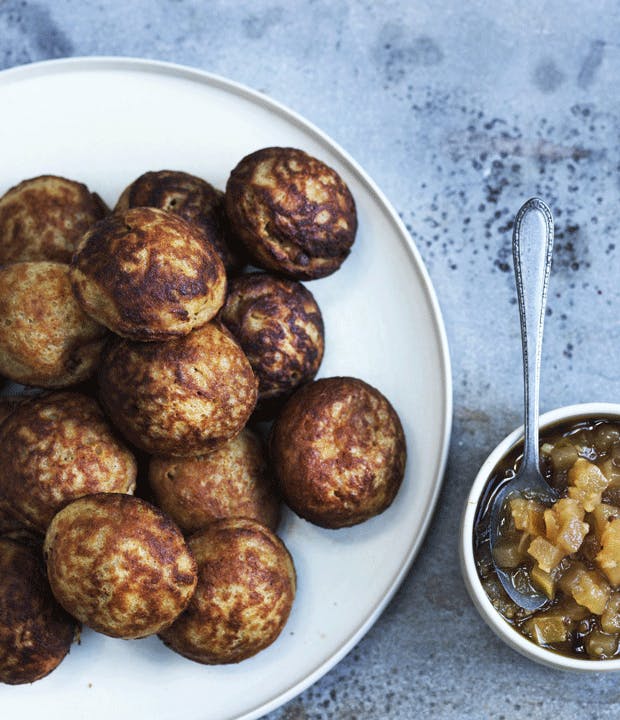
532 246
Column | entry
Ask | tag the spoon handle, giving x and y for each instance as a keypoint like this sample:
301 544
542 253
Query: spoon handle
532 245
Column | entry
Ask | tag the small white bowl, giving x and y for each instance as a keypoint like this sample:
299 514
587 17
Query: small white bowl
490 615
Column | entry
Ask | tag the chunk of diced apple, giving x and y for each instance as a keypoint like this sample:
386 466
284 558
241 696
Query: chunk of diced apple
546 554
608 560
586 483
588 587
571 535
571 610
544 581
611 471
564 526
601 645
528 515
610 619
546 628
563 455
510 552
601 516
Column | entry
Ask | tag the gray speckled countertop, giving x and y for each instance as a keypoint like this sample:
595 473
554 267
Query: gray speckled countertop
462 110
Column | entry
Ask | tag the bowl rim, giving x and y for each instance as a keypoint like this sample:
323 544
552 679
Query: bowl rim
489 614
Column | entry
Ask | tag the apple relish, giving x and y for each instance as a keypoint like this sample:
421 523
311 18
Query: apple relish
569 551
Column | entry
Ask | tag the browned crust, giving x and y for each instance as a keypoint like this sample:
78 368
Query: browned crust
13 529
280 328
294 214
246 587
44 218
8 403
232 481
147 274
184 397
195 200
54 449
46 339
338 452
35 632
7 522
119 564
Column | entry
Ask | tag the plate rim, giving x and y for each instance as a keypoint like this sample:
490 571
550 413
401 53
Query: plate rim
204 77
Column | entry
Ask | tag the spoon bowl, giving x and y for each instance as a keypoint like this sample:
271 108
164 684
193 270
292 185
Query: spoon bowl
532 486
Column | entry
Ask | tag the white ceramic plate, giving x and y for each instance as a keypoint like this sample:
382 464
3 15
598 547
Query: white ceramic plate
105 121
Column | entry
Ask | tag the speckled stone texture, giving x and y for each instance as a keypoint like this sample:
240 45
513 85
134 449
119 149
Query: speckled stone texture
460 111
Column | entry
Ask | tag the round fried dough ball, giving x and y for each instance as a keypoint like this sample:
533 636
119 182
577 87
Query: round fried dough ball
45 217
280 328
294 214
45 337
147 274
35 632
246 587
193 199
232 481
54 449
338 452
183 397
119 565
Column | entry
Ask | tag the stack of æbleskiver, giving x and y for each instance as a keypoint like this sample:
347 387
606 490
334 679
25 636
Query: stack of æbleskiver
186 350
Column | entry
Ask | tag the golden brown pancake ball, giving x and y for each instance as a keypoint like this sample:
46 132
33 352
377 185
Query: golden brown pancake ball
232 481
45 217
54 449
148 274
119 565
246 587
338 452
192 198
183 397
294 214
45 337
35 632
280 328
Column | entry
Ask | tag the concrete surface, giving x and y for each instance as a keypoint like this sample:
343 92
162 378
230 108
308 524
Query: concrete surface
460 111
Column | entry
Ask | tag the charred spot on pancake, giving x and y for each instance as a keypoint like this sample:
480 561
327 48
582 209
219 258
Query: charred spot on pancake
44 218
338 452
119 565
231 481
35 632
280 328
195 200
147 274
294 214
54 449
245 591
46 339
183 397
